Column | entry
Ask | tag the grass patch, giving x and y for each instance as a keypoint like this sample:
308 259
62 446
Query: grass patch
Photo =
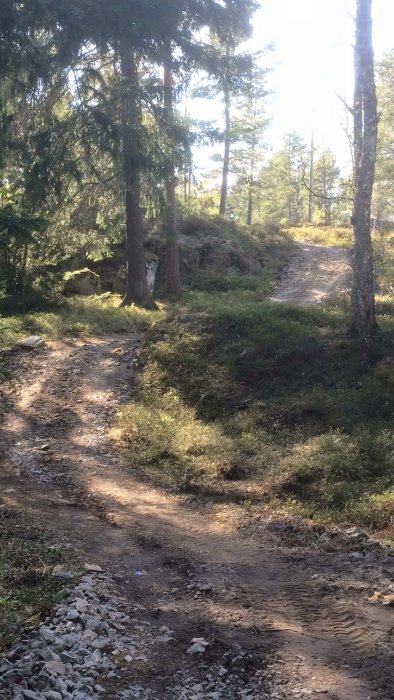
28 591
238 395
338 236
79 316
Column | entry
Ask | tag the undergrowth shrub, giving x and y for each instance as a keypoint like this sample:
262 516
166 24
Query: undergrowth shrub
279 399
80 316
166 434
338 236
375 510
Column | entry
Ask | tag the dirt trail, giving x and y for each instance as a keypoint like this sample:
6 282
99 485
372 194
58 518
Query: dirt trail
315 273
306 610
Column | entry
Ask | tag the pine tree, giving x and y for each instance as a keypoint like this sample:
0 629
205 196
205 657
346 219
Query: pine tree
283 182
326 177
365 139
249 126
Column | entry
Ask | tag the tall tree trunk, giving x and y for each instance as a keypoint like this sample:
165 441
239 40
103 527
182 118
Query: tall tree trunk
24 267
173 283
249 216
226 158
311 180
365 136
137 287
289 183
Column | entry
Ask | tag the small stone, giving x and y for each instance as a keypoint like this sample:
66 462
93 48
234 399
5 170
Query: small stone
53 695
72 615
70 639
48 635
59 573
198 646
81 605
57 668
16 652
47 654
94 568
355 556
357 533
90 636
93 624
164 639
222 671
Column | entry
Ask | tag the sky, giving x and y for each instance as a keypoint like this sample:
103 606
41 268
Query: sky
313 66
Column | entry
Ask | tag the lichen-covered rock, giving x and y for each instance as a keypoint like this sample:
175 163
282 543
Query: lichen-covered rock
83 282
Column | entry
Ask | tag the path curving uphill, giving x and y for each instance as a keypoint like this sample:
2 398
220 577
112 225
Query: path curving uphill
315 273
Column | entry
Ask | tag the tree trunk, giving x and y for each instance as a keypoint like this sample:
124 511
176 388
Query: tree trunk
173 284
226 159
289 183
311 180
137 287
249 216
365 136
24 268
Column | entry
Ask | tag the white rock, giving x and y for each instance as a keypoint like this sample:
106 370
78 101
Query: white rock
32 343
198 646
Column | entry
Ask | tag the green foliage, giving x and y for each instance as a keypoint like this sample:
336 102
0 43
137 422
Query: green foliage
325 184
168 436
384 181
283 182
338 236
27 590
285 408
77 317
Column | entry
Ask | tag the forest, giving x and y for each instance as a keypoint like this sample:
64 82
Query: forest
196 360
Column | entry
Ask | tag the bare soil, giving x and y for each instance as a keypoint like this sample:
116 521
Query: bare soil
294 597
314 274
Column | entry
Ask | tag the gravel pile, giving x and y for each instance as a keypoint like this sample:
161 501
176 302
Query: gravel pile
79 651
87 649
231 680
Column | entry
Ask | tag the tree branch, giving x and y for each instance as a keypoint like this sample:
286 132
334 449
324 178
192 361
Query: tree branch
323 196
